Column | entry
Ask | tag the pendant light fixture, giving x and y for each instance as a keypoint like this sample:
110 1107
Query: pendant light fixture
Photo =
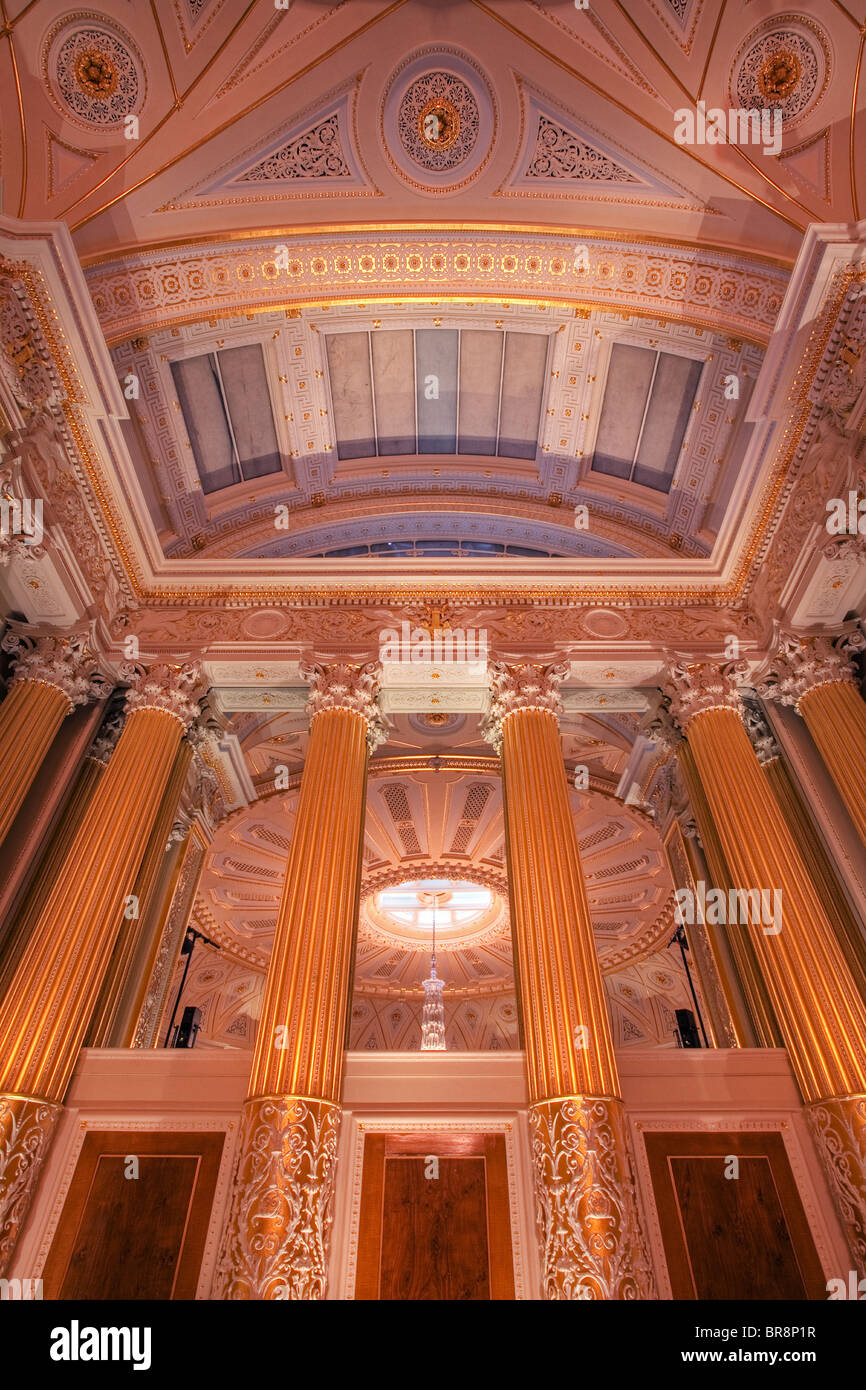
433 1012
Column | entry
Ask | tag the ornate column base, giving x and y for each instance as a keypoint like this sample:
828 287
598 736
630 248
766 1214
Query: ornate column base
276 1240
587 1208
839 1126
27 1127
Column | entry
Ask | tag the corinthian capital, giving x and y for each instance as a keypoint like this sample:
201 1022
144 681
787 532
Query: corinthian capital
760 734
107 739
347 686
175 689
64 662
663 728
802 663
521 687
693 687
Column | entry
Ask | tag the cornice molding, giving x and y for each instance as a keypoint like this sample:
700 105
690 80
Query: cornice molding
166 286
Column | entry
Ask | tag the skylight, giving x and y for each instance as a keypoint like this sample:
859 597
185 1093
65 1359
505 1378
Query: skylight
437 391
457 904
647 400
228 415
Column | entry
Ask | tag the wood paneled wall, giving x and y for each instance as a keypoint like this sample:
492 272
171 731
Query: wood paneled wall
126 1237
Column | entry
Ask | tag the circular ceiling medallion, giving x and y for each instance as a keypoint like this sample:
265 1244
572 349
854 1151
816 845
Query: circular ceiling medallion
783 64
604 622
438 123
438 120
94 73
437 722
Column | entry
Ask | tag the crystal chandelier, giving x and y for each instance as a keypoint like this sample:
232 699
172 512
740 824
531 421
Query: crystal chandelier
433 1012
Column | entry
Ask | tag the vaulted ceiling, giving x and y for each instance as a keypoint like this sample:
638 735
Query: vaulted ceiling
255 115
420 281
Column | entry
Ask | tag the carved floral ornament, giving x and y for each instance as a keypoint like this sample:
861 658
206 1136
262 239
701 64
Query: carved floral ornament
348 686
64 662
693 688
521 687
803 663
175 689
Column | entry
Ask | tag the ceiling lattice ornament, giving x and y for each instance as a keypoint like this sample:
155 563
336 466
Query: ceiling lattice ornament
194 17
680 19
560 154
95 74
316 153
63 163
438 120
785 63
145 292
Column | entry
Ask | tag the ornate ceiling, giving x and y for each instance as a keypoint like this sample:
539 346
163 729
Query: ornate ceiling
317 110
258 180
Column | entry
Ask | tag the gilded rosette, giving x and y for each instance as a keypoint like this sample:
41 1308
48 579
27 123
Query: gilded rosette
587 1209
276 1242
839 1126
26 1130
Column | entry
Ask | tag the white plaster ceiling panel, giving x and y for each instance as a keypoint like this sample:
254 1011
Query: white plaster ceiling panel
241 99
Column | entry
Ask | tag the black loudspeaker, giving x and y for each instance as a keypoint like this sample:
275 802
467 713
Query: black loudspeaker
189 1026
686 1027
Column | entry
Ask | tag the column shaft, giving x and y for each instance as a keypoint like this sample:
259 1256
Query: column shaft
814 996
105 1015
276 1240
745 989
52 990
151 977
835 715
30 716
42 808
591 1241
55 853
815 857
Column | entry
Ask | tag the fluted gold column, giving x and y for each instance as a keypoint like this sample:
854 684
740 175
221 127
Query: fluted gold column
131 928
51 994
587 1210
52 676
139 1024
745 988
815 998
814 856
815 675
276 1239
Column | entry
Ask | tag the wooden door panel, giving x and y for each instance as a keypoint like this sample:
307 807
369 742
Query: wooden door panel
442 1237
434 1231
139 1237
727 1237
